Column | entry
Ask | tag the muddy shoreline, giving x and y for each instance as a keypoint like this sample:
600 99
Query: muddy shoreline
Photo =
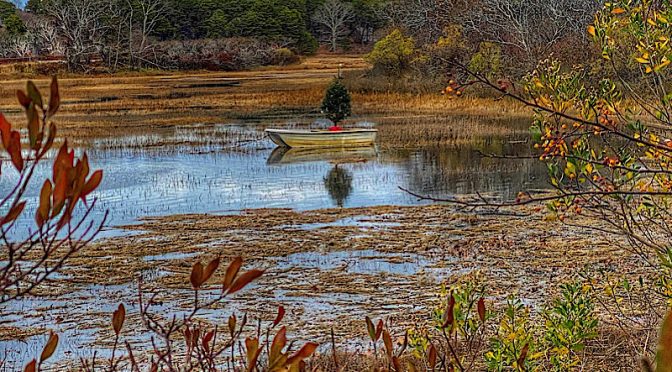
328 268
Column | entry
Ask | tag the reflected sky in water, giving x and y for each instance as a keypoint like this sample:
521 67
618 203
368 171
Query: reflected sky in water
172 180
144 178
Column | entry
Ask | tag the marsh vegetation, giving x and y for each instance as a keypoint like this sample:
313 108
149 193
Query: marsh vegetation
461 241
215 159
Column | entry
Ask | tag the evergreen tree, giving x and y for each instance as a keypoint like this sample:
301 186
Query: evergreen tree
35 6
339 185
9 16
336 103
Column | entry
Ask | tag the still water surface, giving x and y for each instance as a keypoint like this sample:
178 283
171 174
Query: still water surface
175 179
213 178
191 171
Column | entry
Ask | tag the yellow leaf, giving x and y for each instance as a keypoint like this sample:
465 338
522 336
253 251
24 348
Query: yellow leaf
662 65
618 11
591 31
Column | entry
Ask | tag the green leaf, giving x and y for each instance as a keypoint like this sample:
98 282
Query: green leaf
33 125
35 95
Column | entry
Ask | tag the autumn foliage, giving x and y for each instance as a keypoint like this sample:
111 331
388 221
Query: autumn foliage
58 233
604 131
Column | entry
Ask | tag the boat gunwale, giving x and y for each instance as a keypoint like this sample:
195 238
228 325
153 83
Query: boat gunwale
320 132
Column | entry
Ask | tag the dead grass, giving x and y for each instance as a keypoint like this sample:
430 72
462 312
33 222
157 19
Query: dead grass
107 105
516 254
414 131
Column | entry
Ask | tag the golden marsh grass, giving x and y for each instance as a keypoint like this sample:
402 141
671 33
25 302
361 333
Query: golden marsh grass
108 105
506 251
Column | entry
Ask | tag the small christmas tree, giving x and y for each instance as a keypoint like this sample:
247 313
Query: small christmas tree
336 103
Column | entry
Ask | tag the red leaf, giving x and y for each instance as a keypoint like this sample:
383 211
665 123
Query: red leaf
210 269
85 165
244 280
252 351
481 309
281 315
45 204
5 131
387 340
379 330
305 352
92 184
196 277
55 98
49 348
431 357
449 316
118 318
13 213
59 194
14 150
23 98
62 162
523 356
191 337
279 342
232 271
206 340
31 367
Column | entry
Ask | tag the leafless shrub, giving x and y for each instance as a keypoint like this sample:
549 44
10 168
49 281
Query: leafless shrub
212 54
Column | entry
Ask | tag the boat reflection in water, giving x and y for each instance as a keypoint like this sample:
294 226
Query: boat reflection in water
285 155
338 180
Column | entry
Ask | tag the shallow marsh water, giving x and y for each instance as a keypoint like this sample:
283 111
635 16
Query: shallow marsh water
226 169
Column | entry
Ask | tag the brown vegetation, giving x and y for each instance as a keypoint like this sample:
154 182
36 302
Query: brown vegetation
439 244
101 106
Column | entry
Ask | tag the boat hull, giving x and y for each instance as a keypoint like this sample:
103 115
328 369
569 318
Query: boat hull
305 139
336 155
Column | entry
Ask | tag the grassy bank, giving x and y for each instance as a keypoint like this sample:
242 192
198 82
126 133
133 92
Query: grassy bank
112 105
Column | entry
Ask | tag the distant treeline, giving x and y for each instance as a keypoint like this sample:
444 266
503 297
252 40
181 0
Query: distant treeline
237 34
149 33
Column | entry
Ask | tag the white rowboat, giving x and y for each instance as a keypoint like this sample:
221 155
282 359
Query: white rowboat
323 138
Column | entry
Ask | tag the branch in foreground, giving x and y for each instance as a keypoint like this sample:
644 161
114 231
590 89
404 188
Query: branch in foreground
481 201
